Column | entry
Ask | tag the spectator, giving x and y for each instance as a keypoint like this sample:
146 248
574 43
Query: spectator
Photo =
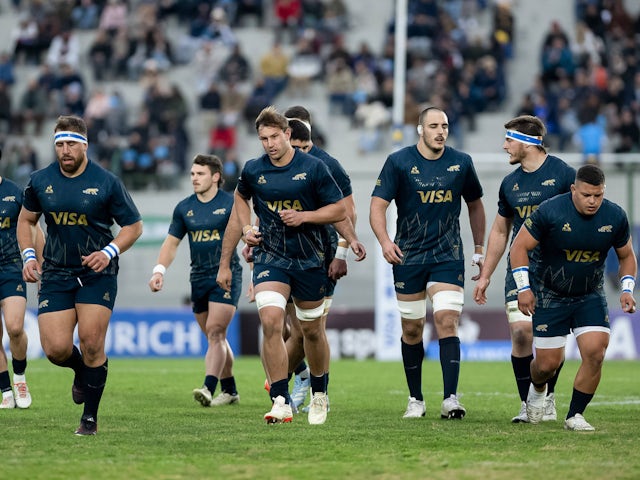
64 50
114 17
6 69
33 108
628 132
288 17
100 55
85 15
273 68
25 40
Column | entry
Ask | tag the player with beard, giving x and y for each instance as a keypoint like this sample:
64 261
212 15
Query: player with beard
539 176
80 201
428 182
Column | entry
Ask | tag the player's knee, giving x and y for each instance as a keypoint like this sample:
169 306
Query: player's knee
448 300
412 310
310 314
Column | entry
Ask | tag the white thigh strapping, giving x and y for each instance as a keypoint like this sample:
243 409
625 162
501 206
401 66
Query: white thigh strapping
414 310
447 300
270 299
514 314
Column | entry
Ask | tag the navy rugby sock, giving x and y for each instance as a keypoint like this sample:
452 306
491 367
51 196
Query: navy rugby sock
522 371
551 383
19 366
5 383
302 366
95 379
450 363
211 382
228 385
75 363
579 402
412 356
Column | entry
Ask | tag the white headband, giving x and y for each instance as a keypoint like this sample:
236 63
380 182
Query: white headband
306 124
67 136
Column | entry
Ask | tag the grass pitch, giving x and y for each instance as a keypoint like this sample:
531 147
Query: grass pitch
150 427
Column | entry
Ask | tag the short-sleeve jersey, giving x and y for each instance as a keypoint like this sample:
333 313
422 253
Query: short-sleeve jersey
79 213
522 192
10 204
304 184
344 183
428 197
205 223
573 248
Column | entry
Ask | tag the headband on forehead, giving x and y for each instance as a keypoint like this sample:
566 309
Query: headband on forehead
524 138
306 124
67 136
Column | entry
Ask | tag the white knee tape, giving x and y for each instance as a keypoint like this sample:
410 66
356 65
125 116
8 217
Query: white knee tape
414 310
310 314
447 300
327 305
514 314
270 299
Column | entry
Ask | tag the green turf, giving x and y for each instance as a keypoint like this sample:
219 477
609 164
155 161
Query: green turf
150 427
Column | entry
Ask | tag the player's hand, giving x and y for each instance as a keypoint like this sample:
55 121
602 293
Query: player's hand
251 294
392 253
253 237
156 282
247 253
477 260
96 261
527 302
32 272
337 269
480 290
292 218
224 278
358 249
628 303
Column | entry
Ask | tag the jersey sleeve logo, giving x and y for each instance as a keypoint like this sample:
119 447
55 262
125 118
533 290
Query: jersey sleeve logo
415 171
606 229
190 213
49 189
515 187
300 176
262 180
220 211
453 168
566 227
378 182
90 191
549 183
9 198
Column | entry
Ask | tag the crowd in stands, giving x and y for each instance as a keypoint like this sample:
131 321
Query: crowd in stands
588 88
452 62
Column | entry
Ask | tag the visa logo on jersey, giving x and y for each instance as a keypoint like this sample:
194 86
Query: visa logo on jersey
278 205
69 218
525 211
582 256
436 196
205 235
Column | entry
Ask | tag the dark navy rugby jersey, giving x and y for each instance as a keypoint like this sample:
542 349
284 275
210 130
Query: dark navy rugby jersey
304 184
10 203
337 172
205 224
79 213
428 197
573 248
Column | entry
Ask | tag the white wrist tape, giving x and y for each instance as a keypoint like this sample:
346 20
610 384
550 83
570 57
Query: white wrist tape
627 283
477 258
159 268
521 276
112 250
28 255
341 253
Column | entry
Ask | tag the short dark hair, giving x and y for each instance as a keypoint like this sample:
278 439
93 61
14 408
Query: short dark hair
270 117
424 112
299 112
299 130
213 162
71 123
591 174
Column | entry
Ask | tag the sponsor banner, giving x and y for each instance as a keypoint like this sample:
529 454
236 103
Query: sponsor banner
144 333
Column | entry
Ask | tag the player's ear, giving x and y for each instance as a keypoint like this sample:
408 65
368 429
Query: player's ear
419 129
